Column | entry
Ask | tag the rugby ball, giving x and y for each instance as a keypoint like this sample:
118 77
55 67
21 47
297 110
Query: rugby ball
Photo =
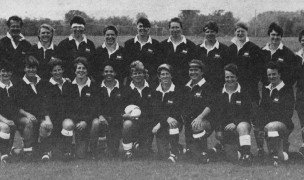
133 110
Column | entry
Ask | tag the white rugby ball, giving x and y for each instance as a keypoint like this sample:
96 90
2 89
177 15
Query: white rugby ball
133 110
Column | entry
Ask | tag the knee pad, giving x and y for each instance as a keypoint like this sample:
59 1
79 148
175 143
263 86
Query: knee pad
198 132
174 130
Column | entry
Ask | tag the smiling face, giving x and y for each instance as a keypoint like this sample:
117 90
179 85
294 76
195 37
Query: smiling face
175 29
77 31
210 35
45 35
110 37
241 34
141 30
274 76
138 76
57 73
230 78
165 77
109 73
30 71
14 28
5 76
81 71
275 38
195 73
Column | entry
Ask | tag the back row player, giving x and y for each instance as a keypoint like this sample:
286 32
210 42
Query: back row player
176 51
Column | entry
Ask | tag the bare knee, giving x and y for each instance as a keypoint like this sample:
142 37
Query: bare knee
67 127
243 128
45 129
127 124
4 131
96 123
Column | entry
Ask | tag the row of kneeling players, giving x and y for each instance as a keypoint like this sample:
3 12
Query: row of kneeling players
69 118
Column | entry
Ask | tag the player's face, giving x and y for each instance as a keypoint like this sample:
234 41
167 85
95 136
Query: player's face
230 78
273 76
141 30
109 73
165 77
241 34
57 72
45 35
138 76
78 31
5 75
175 29
275 38
15 28
81 71
210 35
302 42
110 37
195 73
30 71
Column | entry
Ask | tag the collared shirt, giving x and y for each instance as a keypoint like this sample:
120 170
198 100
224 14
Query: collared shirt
110 89
278 87
84 39
200 83
238 89
4 86
267 47
80 87
52 81
301 54
139 90
33 85
109 52
239 46
216 45
184 40
39 45
12 40
142 43
160 89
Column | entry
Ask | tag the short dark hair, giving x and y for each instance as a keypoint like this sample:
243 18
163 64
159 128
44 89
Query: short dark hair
113 28
240 25
31 61
275 27
14 18
274 65
109 63
144 21
78 20
6 66
211 25
177 20
301 34
81 60
55 62
232 68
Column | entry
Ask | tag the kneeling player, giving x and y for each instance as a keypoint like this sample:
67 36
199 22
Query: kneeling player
137 132
34 122
167 98
276 113
196 112
234 117
84 111
8 111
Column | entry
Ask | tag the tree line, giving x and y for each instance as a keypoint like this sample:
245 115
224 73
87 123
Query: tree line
193 22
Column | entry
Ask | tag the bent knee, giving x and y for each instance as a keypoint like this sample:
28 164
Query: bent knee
127 124
275 126
4 128
243 128
68 125
96 123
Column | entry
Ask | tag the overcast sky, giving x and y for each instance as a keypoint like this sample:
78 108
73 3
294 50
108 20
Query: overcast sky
155 9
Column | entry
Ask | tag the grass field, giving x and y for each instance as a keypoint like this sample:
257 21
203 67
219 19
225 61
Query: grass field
145 169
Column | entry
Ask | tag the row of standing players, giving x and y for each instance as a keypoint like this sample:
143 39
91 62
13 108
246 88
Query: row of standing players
176 51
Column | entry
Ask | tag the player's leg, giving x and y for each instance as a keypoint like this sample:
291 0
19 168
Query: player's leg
4 142
94 136
243 129
45 131
128 131
67 134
